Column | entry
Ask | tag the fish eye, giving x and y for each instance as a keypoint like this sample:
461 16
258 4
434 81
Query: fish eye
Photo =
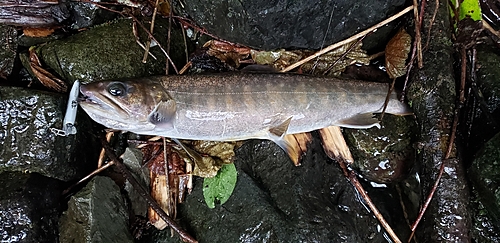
117 89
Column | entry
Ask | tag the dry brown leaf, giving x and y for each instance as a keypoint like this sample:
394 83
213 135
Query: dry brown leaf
340 58
38 32
46 78
229 53
396 53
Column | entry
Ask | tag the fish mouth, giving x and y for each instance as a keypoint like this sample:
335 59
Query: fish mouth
100 104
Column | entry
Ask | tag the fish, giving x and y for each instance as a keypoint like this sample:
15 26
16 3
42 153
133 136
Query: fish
236 106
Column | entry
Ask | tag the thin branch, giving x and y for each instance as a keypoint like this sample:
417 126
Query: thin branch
348 40
490 29
351 175
144 28
151 29
418 38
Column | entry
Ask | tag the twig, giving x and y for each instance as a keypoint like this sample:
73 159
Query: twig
151 28
169 34
343 55
348 40
430 22
145 29
351 175
102 154
137 186
387 97
134 31
490 29
93 173
185 68
418 39
338 150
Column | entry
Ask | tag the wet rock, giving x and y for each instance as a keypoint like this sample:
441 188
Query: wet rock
274 201
483 108
132 158
27 143
84 15
8 49
29 207
485 176
383 155
110 51
432 94
97 213
284 24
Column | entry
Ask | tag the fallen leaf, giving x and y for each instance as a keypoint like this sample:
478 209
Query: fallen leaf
220 187
396 53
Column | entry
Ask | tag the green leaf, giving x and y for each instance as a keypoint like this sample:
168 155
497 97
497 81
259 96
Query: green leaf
220 187
470 8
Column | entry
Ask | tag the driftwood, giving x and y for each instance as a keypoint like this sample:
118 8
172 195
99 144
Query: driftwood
33 13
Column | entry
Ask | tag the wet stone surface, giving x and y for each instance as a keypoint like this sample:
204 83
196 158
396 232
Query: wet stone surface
84 15
8 48
27 143
383 155
274 201
483 107
97 213
284 24
485 177
29 207
109 51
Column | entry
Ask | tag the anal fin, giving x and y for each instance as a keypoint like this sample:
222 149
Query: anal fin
362 120
280 130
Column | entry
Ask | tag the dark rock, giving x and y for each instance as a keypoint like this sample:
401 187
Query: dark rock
86 14
482 111
485 176
132 158
383 155
283 24
29 207
432 93
110 51
97 213
274 201
27 143
8 50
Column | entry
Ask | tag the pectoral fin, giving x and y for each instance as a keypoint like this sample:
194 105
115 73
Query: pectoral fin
164 114
363 120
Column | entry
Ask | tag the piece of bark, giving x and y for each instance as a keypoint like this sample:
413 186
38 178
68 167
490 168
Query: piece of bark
35 13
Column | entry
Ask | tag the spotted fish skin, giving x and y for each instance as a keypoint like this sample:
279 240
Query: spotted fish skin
236 106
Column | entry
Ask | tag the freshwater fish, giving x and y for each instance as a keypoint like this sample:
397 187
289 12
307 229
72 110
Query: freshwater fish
236 106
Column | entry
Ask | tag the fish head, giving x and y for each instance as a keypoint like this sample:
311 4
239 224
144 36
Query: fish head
137 106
